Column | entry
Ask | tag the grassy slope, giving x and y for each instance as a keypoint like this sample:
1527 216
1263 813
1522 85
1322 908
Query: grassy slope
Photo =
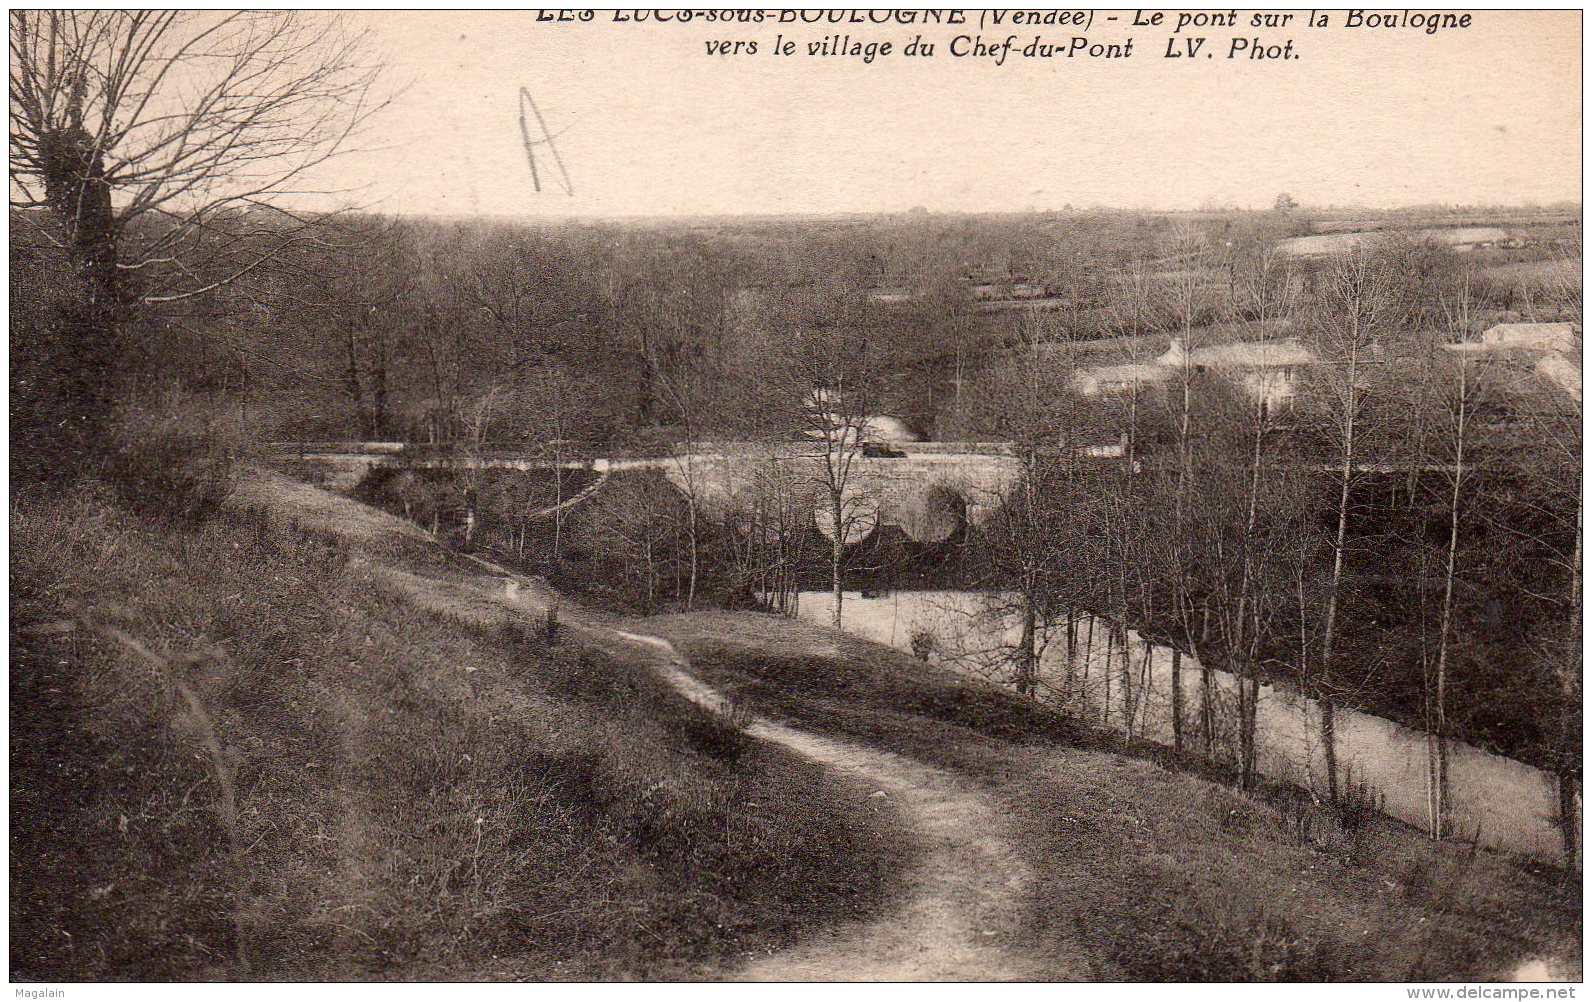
1161 875
420 792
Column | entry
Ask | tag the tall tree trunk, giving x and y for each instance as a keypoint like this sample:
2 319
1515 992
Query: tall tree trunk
1105 676
1439 781
1329 746
77 192
837 555
646 390
1569 816
1437 729
1070 669
1127 682
1208 710
558 498
1177 700
1028 652
691 518
1251 765
1329 742
1248 694
1146 682
353 385
1207 687
1088 657
378 398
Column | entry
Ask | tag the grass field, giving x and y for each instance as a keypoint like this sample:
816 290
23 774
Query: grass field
238 751
1558 278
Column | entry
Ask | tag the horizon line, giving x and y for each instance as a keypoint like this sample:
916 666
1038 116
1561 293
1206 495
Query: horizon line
1560 206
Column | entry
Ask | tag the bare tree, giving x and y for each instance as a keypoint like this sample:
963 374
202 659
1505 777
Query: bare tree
1261 280
150 151
1038 543
145 133
687 392
839 400
1541 516
1352 306
555 409
771 531
1459 406
1244 602
342 305
819 380
1183 297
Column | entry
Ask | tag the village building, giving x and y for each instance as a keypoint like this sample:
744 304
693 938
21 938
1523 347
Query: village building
1556 337
1268 371
1552 351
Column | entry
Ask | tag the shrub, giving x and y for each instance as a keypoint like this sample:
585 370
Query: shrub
548 622
1222 934
1360 805
175 454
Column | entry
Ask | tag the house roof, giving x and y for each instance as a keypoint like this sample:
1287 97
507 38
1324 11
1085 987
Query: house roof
1144 372
1253 355
1534 334
1562 373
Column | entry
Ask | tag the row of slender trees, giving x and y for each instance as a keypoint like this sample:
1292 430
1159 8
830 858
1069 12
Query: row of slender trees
1243 530
1358 538
1399 531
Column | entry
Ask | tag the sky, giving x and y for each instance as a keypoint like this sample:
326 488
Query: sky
649 124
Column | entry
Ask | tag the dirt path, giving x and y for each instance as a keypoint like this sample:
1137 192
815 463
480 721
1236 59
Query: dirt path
962 903
963 898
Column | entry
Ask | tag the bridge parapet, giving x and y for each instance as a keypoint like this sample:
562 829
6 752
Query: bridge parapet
928 489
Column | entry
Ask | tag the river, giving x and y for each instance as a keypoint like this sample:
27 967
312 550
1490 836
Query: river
1500 802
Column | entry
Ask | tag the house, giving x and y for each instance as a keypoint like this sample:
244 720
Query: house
1269 371
1555 337
1101 379
1525 359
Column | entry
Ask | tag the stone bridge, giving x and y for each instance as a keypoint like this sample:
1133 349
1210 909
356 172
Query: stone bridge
930 490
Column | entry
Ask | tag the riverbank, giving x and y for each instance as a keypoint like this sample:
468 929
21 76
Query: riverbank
1151 874
1120 683
1127 870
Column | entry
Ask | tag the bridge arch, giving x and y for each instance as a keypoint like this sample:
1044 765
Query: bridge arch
934 514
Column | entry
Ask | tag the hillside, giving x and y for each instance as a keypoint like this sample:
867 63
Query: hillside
404 786
355 755
1142 872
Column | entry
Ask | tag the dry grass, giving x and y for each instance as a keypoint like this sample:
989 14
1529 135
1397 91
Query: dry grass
1160 875
418 792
